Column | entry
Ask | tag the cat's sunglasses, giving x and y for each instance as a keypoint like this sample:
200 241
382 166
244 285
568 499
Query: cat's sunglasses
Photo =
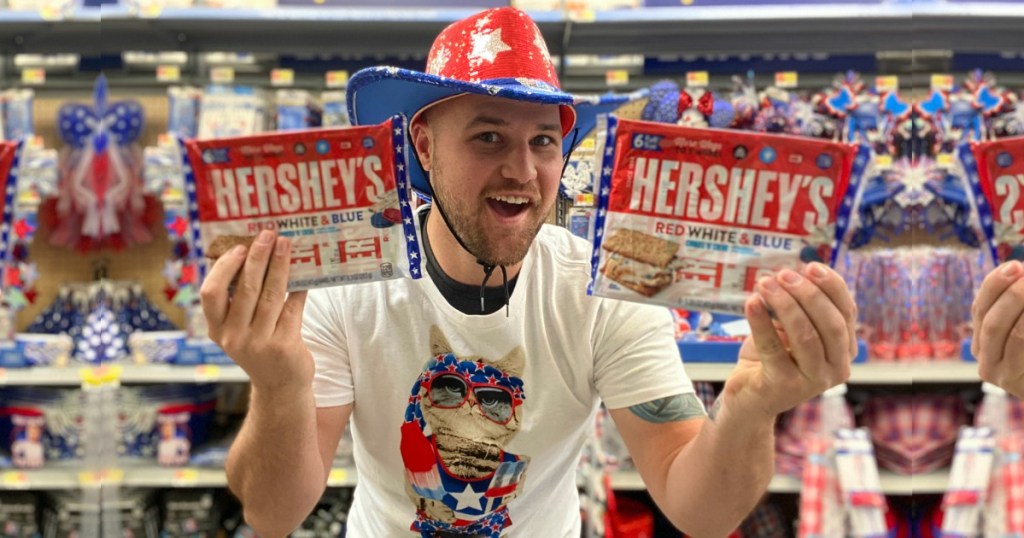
449 390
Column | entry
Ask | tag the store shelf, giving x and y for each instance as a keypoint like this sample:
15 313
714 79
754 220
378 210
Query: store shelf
868 373
838 28
130 373
841 28
892 483
370 30
153 476
59 477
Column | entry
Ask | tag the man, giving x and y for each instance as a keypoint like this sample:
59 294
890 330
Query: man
998 320
469 403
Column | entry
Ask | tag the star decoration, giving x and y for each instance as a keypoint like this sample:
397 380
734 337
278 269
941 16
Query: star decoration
188 274
22 228
538 41
178 225
487 46
440 59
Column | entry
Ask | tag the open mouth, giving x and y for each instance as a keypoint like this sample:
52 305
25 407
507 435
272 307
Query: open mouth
508 206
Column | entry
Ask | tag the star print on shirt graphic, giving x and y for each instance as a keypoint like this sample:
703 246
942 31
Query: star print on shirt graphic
462 412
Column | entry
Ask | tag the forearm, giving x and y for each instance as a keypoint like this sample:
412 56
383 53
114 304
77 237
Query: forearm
274 466
716 480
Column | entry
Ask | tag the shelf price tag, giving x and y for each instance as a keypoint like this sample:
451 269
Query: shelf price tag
942 82
282 77
222 75
206 373
336 79
168 73
35 76
696 79
944 159
889 83
883 161
616 77
185 478
787 79
14 480
101 375
51 11
338 477
99 478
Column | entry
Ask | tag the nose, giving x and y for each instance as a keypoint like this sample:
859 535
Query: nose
519 163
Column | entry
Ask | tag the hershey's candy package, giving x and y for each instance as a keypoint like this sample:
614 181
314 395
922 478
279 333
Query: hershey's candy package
340 195
692 218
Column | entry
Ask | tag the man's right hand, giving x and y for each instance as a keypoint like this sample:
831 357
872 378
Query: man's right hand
259 324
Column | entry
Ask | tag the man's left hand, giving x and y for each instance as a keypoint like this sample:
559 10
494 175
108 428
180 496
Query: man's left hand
805 350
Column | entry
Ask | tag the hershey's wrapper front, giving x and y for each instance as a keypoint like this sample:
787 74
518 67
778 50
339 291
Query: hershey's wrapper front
692 218
996 169
340 195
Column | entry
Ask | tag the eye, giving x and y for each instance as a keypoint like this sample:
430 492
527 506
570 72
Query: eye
489 137
543 140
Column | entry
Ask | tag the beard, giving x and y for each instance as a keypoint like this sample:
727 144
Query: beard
485 239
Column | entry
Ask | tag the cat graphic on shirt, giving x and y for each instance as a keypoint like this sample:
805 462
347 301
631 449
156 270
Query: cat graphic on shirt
462 412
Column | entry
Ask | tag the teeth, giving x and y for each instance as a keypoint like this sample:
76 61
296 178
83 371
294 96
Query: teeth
512 199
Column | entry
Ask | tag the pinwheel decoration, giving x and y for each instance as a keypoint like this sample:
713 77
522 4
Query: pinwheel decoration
100 201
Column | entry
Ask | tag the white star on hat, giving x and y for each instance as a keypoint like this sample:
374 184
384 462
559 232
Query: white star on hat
487 46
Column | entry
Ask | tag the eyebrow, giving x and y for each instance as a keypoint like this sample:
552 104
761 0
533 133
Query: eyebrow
500 122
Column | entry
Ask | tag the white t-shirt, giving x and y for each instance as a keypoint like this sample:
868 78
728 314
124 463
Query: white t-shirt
489 446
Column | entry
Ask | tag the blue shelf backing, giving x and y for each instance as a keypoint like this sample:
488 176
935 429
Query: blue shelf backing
729 351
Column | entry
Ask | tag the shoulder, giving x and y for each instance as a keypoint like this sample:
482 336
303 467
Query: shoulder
558 246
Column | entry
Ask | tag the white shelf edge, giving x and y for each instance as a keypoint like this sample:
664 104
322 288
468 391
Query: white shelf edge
892 483
131 373
893 374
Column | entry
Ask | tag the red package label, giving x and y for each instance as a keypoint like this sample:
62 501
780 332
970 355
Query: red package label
694 217
1001 174
339 194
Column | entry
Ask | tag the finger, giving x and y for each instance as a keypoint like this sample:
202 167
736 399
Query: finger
290 321
805 345
214 293
824 315
767 340
998 324
1012 365
250 283
991 289
275 288
835 288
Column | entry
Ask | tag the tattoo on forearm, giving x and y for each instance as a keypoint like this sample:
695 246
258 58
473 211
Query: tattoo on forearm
670 409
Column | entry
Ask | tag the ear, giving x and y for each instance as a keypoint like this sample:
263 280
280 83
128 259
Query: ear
419 132
512 364
438 343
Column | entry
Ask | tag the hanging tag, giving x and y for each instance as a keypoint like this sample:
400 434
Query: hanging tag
859 482
968 482
1011 456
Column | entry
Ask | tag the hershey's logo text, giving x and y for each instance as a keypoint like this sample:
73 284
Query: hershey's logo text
732 196
248 191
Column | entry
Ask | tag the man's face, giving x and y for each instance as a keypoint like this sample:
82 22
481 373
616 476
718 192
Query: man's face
494 166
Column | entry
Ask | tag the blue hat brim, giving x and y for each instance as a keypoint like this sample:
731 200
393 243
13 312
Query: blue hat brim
588 109
377 93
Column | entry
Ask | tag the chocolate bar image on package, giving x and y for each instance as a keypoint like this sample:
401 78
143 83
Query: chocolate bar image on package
639 261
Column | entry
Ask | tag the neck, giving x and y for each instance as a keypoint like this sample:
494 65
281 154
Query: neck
455 261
